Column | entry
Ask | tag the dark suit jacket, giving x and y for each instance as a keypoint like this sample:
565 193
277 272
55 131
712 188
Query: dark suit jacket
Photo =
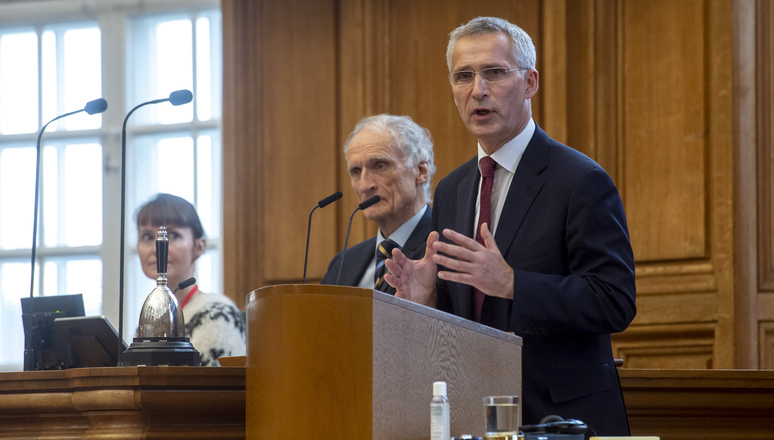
360 255
563 231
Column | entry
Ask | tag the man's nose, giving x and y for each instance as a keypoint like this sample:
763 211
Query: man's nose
366 181
480 86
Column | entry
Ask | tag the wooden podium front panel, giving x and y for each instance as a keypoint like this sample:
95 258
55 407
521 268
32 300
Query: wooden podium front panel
308 363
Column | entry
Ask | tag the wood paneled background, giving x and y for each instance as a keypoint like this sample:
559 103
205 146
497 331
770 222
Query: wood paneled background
672 98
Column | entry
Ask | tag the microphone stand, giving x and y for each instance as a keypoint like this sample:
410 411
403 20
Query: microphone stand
367 204
92 107
176 98
321 204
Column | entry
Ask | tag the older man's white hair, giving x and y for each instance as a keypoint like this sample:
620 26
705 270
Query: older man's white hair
413 141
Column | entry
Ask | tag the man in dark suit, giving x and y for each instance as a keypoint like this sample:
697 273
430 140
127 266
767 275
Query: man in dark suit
551 259
392 157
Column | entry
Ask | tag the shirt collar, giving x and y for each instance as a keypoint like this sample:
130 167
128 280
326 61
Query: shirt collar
402 234
508 155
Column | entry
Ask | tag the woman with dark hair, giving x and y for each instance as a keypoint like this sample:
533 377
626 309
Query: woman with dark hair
212 321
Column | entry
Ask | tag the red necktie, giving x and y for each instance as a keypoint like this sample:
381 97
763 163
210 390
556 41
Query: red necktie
487 174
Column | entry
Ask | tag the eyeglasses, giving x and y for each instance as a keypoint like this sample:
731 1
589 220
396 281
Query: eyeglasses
491 75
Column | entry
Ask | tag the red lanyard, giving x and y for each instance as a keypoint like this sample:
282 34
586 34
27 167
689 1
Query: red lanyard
189 296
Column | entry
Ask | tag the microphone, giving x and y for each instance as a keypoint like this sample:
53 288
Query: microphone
321 204
185 284
92 107
175 98
367 204
328 200
180 97
96 106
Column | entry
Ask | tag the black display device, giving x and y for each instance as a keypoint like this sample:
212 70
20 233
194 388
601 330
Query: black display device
87 341
38 315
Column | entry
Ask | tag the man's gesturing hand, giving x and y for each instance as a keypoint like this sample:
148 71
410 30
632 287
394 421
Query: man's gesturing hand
480 266
414 280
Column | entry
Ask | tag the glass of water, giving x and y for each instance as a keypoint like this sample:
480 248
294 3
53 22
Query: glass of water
501 414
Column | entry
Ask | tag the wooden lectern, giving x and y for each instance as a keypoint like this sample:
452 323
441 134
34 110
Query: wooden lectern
350 363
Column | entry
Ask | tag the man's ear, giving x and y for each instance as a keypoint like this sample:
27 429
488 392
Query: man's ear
533 79
423 172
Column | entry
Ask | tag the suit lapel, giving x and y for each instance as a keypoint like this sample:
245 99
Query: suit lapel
524 189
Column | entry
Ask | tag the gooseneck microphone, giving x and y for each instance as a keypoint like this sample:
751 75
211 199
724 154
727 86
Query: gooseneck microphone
92 108
368 203
321 204
185 284
178 97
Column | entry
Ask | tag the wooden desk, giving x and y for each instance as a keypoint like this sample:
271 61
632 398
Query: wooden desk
700 404
124 403
209 403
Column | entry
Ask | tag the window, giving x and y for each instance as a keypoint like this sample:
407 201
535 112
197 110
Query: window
128 52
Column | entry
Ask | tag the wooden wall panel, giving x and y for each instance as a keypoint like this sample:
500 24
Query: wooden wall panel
242 156
676 165
761 307
665 128
299 120
766 341
684 346
581 79
765 119
745 198
719 74
552 66
580 76
280 137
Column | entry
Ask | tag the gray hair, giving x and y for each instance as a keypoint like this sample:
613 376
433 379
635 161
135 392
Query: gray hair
412 140
522 47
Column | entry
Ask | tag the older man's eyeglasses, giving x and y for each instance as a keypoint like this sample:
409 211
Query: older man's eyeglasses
464 78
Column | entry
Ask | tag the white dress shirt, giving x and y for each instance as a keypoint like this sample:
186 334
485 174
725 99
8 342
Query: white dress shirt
507 158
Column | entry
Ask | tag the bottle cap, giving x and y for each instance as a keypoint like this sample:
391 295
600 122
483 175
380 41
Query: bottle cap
439 389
